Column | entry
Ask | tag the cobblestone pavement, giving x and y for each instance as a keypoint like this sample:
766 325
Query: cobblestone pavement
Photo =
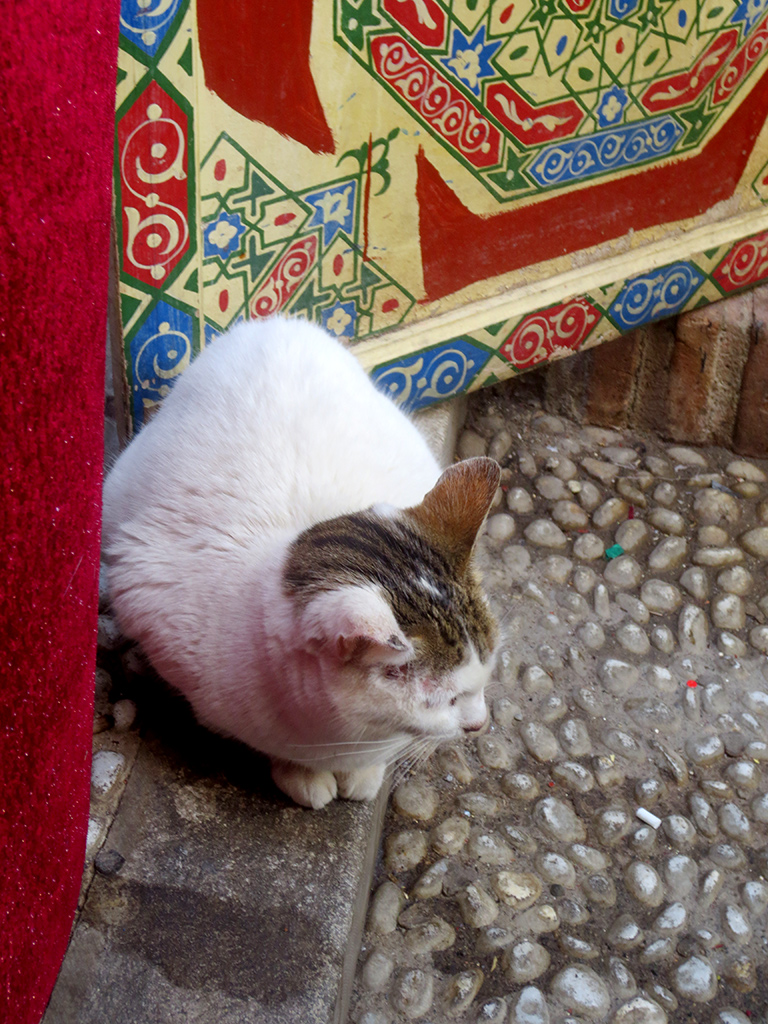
600 854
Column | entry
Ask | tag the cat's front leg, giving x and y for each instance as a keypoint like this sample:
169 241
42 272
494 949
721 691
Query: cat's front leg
304 785
362 783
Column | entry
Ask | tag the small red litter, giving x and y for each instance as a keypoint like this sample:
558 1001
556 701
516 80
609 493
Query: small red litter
631 513
691 683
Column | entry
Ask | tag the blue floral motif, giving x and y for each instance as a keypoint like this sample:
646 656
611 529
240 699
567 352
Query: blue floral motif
146 23
605 151
656 295
340 319
469 59
334 209
611 106
160 350
749 11
621 8
432 375
221 237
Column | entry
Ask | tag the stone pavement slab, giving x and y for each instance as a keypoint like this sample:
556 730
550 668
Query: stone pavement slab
215 900
600 855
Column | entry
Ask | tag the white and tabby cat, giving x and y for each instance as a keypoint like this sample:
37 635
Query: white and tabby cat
270 545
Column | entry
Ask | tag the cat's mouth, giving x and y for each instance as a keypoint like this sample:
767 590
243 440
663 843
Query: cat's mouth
478 730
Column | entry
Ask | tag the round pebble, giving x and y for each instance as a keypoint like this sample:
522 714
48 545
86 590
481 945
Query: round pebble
633 638
559 820
432 936
574 738
525 961
659 597
680 875
668 554
582 991
728 612
545 534
477 907
405 850
623 572
692 628
704 750
617 676
640 1010
643 882
599 888
461 991
695 979
588 547
632 534
519 500
450 835
529 1007
568 515
414 799
494 751
625 933
716 507
734 822
736 580
517 889
377 971
667 521
500 527
386 904
611 511
412 993
539 741
755 542
520 786
694 580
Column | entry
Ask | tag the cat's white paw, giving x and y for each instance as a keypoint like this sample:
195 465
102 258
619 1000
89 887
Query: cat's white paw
304 785
362 784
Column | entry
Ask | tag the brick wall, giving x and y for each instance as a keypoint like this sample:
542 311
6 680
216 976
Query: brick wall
701 377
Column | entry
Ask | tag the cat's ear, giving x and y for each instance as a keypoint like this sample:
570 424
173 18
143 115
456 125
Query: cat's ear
455 509
355 624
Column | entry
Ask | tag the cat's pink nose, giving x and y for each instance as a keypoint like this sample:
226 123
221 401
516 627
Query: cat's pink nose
477 730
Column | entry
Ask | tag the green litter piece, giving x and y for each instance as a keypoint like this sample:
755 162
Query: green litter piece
614 551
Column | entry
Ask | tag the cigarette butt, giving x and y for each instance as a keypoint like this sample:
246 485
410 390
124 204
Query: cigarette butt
647 817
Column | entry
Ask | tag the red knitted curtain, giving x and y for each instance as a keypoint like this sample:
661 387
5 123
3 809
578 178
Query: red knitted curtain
57 66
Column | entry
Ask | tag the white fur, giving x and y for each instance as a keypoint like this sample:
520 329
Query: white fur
273 428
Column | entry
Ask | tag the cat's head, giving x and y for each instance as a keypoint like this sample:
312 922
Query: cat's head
390 602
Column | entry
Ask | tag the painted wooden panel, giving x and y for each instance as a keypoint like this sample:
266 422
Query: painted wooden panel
459 189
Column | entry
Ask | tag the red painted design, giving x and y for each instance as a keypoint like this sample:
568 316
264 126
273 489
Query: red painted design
578 6
745 264
459 247
152 143
388 305
422 19
220 170
223 300
255 58
746 57
506 14
435 100
531 125
293 266
284 218
338 264
541 335
678 90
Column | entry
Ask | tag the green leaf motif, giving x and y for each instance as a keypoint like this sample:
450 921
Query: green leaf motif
586 74
651 57
519 52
